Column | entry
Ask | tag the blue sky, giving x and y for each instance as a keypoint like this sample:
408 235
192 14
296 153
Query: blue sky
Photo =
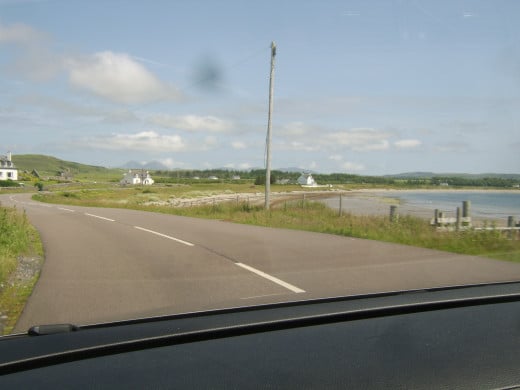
365 87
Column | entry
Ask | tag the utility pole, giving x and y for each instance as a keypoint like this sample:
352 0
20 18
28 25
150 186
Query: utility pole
268 139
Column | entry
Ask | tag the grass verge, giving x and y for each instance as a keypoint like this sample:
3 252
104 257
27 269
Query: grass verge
21 256
407 230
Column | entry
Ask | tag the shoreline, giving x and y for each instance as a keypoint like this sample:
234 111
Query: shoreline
374 202
437 190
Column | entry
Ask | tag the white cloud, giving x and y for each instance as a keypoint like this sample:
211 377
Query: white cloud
33 59
209 142
117 77
296 145
452 147
353 167
20 34
360 140
149 141
238 145
192 122
244 166
295 129
407 144
171 163
336 157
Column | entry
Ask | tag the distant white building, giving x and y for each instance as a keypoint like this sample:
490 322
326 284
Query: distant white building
306 179
7 169
135 178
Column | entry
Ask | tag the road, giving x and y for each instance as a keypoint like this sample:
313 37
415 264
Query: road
109 264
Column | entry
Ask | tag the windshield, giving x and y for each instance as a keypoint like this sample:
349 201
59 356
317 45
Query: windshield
176 156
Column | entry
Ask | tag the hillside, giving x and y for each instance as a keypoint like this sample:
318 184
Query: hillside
429 175
52 166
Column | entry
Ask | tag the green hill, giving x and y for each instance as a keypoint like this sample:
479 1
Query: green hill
52 166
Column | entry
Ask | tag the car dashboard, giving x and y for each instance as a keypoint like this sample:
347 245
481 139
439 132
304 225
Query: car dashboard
446 337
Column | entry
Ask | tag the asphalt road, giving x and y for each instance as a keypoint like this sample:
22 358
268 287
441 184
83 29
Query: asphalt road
109 264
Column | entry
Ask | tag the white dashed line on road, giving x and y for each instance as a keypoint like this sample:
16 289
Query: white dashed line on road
98 216
272 278
165 236
64 209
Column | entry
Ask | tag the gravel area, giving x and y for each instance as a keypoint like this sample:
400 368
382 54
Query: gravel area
28 267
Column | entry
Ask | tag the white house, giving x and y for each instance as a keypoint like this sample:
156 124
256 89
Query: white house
134 178
307 180
7 169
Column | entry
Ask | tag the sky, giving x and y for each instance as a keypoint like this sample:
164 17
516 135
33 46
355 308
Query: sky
362 87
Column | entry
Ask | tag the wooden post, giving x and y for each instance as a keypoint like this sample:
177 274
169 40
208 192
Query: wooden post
303 201
436 217
340 204
466 210
511 224
393 213
459 221
268 140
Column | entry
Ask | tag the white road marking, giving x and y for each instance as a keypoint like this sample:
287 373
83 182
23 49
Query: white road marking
64 209
272 278
165 236
97 216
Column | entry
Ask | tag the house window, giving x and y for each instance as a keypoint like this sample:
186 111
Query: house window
9 174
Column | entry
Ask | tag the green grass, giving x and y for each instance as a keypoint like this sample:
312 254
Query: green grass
17 238
316 217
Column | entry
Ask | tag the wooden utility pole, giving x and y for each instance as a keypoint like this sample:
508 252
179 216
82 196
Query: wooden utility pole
268 139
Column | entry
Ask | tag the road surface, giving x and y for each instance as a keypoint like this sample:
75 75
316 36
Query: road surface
111 264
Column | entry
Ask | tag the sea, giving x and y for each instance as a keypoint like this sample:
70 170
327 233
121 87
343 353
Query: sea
484 204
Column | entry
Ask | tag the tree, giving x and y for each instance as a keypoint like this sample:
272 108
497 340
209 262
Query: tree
260 180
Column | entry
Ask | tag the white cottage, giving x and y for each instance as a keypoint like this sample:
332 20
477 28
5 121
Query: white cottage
7 169
307 180
135 178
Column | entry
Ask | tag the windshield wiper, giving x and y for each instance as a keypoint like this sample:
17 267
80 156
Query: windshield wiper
42 330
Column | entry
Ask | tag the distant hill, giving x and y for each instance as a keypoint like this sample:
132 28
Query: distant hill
51 166
429 175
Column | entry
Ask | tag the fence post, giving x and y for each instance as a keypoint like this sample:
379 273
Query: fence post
511 224
340 204
436 217
393 213
459 221
466 209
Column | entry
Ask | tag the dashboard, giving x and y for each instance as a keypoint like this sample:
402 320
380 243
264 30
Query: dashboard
451 337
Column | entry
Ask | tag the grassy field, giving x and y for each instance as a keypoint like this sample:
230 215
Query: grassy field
21 254
293 214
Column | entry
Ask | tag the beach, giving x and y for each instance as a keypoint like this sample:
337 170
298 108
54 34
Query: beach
378 202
